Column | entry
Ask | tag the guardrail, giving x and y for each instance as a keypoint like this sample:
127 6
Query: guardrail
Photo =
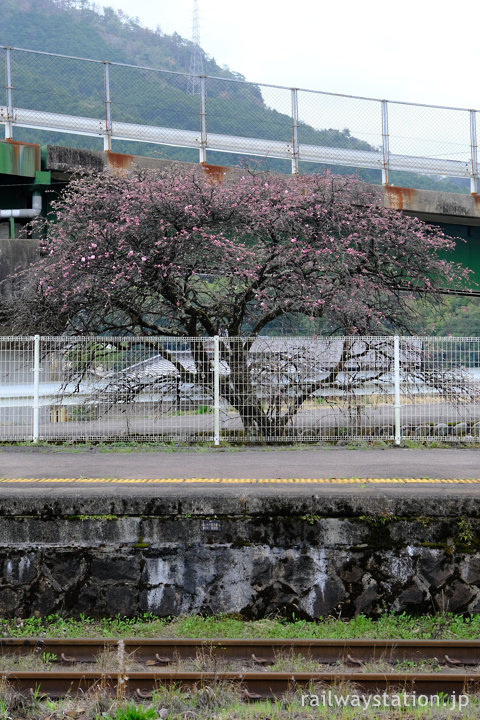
120 102
222 389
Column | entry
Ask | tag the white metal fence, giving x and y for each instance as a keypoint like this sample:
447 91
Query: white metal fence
272 389
116 101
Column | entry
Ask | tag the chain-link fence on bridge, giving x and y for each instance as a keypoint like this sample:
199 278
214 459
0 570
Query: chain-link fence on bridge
230 119
269 389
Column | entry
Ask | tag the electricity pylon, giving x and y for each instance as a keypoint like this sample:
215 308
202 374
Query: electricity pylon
196 59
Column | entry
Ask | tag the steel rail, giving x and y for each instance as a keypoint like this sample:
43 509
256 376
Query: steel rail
258 685
327 651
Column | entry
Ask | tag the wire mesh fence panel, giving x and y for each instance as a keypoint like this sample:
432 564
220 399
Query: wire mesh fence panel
126 388
440 388
270 389
265 115
348 128
151 98
70 86
16 388
429 139
293 389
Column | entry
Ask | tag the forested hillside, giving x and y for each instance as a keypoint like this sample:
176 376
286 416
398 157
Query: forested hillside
73 27
81 28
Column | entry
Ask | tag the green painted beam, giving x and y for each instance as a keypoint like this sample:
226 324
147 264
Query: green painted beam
43 177
21 159
467 249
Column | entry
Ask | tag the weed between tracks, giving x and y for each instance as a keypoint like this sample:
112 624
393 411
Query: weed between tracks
206 661
215 702
437 626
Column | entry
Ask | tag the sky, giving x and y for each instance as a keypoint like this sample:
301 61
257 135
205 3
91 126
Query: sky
422 51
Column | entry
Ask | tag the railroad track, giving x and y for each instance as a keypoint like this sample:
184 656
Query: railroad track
164 659
169 651
255 685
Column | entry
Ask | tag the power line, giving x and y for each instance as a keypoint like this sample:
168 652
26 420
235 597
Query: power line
442 291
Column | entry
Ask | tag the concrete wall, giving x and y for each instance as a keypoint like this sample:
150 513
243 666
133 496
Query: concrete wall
15 254
434 206
252 554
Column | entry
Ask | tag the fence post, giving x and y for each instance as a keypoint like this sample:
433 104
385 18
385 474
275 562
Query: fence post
36 386
203 120
385 143
107 138
294 93
474 152
396 374
216 390
9 88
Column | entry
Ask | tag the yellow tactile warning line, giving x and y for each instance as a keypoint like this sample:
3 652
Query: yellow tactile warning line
251 481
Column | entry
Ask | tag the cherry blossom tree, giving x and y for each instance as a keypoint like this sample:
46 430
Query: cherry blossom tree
174 254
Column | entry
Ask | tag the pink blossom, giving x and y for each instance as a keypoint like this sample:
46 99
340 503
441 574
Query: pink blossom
226 253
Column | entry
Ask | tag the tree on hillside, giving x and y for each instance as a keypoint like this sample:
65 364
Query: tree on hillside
454 316
177 255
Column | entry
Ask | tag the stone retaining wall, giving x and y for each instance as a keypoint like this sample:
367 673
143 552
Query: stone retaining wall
247 554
